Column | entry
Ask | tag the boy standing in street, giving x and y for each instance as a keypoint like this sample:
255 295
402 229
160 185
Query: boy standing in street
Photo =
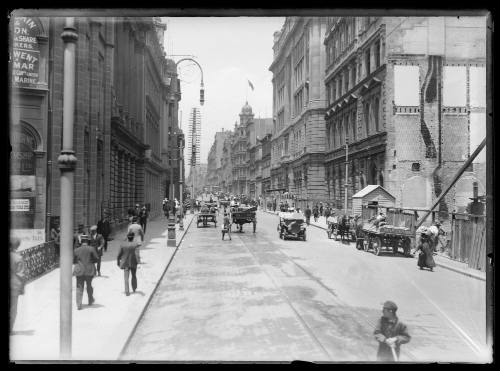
390 333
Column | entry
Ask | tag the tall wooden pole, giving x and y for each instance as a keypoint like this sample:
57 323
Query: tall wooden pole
67 165
346 174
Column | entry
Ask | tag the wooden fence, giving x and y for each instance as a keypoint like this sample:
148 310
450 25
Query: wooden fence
468 240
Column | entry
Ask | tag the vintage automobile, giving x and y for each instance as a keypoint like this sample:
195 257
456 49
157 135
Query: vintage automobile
292 224
206 216
243 214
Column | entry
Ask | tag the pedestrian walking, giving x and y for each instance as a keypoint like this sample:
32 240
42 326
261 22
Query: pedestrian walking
17 278
308 213
55 235
104 229
128 258
77 236
84 270
328 212
424 247
321 209
143 218
137 229
97 242
226 226
435 230
315 213
137 210
390 334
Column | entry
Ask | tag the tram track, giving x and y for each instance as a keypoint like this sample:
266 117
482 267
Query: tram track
354 314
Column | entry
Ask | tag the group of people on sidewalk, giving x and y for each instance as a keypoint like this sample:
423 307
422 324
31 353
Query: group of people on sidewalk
89 248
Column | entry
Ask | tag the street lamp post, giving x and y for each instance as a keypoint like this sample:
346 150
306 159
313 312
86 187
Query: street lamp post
180 145
67 165
202 101
171 240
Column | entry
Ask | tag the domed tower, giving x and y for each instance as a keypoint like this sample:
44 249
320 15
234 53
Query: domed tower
246 114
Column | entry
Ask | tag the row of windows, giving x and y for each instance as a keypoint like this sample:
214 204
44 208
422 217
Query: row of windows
354 71
298 102
344 126
342 38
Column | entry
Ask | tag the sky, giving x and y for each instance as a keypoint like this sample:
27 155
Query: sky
231 51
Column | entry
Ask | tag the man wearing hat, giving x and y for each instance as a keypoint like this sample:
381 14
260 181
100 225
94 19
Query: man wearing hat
390 333
76 237
136 228
97 242
128 258
84 258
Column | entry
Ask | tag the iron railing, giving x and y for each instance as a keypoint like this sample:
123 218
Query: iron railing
39 259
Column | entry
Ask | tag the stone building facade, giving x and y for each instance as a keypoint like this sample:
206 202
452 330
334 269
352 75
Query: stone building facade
30 137
399 93
298 141
120 119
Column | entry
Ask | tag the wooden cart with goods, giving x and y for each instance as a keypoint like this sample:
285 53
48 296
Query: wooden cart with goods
393 230
243 215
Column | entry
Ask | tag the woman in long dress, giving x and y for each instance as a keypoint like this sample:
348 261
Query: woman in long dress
425 259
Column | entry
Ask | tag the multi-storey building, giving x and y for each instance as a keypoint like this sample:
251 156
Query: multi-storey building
265 164
256 129
171 153
402 93
139 120
298 142
214 162
119 120
239 154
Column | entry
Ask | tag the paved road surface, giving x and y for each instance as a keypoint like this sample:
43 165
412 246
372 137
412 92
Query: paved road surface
258 298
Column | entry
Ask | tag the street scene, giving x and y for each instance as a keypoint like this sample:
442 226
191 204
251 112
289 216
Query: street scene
301 188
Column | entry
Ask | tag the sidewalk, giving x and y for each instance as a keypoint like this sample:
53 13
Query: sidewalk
441 260
100 331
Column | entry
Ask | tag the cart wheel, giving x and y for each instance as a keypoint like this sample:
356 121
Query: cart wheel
366 243
377 245
407 246
304 236
395 245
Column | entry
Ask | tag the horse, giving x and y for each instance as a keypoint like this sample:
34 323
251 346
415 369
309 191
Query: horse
344 228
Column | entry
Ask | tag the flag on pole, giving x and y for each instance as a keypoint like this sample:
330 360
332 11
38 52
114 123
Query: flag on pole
251 85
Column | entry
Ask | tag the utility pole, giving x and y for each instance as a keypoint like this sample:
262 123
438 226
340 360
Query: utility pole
67 166
180 145
346 174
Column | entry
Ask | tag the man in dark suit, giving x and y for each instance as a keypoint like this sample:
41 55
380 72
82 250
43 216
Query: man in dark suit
97 242
128 258
84 258
104 229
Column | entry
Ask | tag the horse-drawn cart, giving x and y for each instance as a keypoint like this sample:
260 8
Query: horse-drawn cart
338 225
243 215
206 216
391 231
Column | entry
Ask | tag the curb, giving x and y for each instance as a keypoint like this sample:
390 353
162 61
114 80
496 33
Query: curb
439 264
120 355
